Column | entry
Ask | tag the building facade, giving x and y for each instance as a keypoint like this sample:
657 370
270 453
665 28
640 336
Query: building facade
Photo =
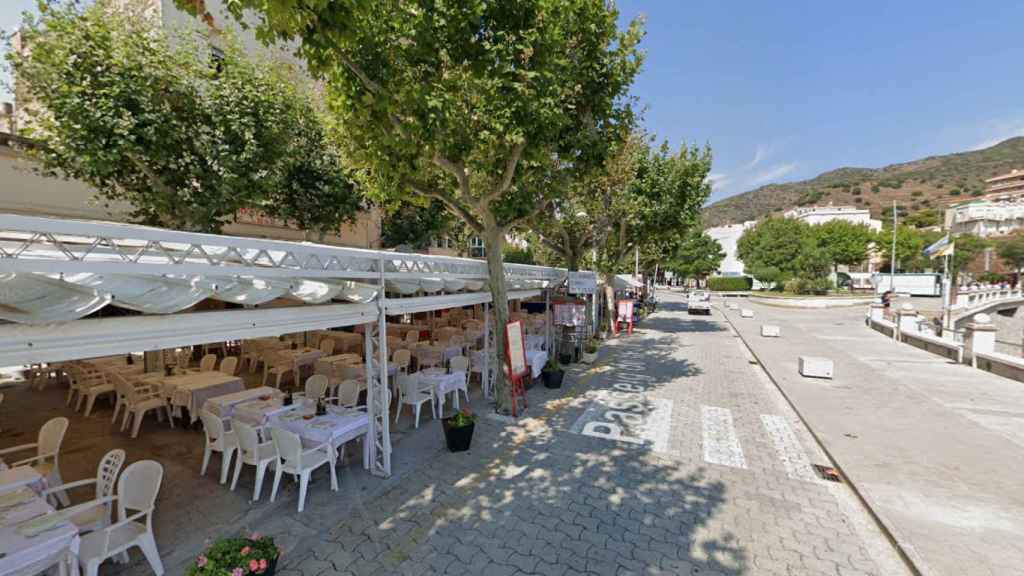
998 213
815 215
25 192
728 236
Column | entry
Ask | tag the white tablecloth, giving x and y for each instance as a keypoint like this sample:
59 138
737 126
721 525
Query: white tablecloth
536 359
443 383
224 406
338 426
193 389
19 551
302 356
535 342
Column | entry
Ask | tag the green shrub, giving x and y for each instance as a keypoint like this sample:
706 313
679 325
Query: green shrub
730 283
855 191
977 192
954 192
916 194
875 189
992 278
809 285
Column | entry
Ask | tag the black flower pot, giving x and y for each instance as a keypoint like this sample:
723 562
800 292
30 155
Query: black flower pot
458 438
553 378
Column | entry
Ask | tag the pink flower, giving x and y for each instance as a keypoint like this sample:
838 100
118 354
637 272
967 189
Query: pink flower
201 561
263 565
238 572
253 565
255 536
246 550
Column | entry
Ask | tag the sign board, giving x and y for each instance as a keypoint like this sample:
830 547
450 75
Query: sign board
516 347
626 311
570 314
582 282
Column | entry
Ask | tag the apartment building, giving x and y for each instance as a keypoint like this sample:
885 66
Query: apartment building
998 213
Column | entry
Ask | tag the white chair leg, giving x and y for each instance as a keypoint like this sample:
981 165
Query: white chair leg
238 472
334 474
277 482
137 424
418 415
78 403
89 404
148 546
398 412
117 408
92 568
303 487
124 420
71 394
261 471
206 459
54 479
170 416
225 464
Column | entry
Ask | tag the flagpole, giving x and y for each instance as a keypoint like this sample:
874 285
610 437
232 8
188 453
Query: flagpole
892 264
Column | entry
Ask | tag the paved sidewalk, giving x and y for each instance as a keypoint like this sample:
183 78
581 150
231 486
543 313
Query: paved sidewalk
712 478
935 447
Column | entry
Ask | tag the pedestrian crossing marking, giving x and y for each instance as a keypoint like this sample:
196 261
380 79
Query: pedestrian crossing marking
788 448
721 445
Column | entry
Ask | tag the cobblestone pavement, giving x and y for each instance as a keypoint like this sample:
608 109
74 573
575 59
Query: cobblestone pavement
720 485
672 455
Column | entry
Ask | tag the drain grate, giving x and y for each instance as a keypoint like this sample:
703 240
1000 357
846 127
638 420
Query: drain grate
827 473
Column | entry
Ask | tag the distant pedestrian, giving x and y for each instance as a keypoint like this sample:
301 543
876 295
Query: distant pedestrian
887 298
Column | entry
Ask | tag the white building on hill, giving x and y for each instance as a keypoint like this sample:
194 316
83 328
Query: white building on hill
820 214
998 213
728 236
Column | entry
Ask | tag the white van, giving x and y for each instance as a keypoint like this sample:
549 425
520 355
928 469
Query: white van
698 301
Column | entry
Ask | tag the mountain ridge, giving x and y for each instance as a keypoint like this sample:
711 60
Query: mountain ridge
931 182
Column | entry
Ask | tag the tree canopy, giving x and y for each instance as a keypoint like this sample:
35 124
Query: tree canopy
185 139
845 243
770 249
475 104
1011 251
697 256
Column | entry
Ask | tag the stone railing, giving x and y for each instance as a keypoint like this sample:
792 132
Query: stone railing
968 298
975 345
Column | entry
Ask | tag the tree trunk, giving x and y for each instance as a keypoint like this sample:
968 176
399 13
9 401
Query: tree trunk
494 240
609 298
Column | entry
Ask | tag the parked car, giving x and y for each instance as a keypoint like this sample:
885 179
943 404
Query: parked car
699 301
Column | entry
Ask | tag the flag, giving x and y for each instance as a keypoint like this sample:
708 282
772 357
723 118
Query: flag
942 247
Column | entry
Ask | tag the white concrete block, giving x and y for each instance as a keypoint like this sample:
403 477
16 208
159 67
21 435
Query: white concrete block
770 331
815 367
746 313
732 305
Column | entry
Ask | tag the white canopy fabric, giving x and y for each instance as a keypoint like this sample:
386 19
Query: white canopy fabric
626 282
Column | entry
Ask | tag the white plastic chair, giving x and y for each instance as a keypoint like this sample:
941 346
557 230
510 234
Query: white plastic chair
291 458
95 517
348 393
208 363
402 359
99 385
228 365
184 357
253 452
278 365
327 346
460 364
138 400
77 380
217 440
411 393
46 461
136 490
315 389
412 336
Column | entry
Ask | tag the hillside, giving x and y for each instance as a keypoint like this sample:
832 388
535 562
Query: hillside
932 182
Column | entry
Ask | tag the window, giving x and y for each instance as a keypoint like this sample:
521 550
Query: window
476 247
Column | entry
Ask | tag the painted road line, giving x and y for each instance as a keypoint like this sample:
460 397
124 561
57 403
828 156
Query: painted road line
721 445
627 415
788 448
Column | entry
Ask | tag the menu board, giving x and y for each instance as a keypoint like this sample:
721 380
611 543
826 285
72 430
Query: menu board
570 314
626 311
516 347
582 282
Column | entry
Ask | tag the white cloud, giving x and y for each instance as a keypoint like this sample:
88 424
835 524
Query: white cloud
718 180
773 173
760 153
997 131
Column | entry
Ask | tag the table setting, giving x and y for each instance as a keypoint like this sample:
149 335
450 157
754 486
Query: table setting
32 531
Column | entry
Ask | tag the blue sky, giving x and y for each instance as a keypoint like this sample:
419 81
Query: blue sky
785 90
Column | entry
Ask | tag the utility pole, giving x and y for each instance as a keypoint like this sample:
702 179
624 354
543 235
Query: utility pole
892 263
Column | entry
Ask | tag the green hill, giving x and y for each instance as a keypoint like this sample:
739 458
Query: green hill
933 182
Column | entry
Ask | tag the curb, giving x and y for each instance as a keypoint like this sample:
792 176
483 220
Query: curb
904 555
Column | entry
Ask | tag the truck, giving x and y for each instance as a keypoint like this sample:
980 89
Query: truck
922 284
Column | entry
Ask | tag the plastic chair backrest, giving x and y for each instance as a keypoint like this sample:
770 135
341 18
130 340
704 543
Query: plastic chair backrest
212 426
412 336
289 447
401 358
348 392
183 357
327 346
228 365
316 386
409 384
459 364
456 340
207 363
248 438
51 435
349 371
106 473
139 486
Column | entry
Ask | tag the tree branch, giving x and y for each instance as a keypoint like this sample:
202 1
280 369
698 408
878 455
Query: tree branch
537 210
456 169
510 171
451 203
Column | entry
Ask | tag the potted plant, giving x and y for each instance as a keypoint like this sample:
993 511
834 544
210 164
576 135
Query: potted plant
239 556
553 374
589 355
458 430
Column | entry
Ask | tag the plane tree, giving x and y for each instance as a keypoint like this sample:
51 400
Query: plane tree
468 103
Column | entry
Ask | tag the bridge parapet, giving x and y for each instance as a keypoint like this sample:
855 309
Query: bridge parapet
970 298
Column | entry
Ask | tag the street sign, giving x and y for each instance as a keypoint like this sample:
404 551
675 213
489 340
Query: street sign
582 282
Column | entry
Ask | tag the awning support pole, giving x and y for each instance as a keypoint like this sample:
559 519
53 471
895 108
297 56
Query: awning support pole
547 320
485 372
378 398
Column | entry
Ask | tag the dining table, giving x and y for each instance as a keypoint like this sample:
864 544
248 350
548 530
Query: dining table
191 389
20 477
301 357
223 406
443 383
338 426
33 536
